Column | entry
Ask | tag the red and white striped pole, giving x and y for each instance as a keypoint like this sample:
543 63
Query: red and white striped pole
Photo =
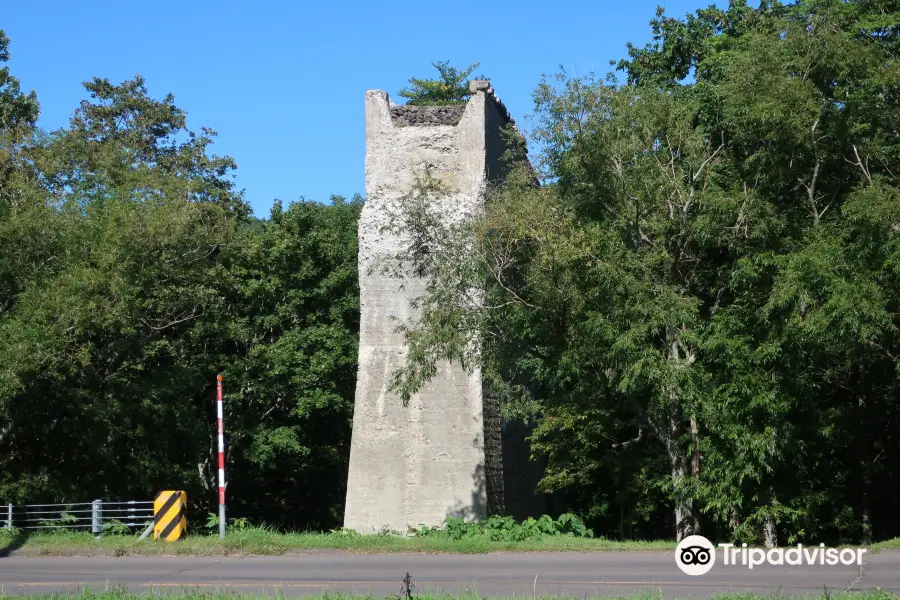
221 425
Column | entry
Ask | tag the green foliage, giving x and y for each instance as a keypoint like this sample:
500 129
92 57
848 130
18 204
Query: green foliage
235 524
100 328
696 312
115 527
451 86
297 321
65 518
255 541
506 529
131 274
18 111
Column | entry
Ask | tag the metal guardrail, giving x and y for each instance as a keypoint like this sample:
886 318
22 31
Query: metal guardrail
97 516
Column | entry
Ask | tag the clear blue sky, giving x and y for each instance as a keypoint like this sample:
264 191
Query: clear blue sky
283 81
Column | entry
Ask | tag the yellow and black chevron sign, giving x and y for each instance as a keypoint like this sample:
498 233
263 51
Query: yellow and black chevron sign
169 522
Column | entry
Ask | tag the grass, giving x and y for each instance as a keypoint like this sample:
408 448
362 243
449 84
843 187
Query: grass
258 541
893 544
122 594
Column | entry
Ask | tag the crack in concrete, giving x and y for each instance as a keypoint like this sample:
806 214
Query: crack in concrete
862 571
177 572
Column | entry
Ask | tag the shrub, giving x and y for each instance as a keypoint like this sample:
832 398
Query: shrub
506 529
452 86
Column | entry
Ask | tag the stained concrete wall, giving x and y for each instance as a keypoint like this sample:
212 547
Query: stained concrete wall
414 465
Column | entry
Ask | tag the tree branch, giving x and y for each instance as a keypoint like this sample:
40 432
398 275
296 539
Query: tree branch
627 443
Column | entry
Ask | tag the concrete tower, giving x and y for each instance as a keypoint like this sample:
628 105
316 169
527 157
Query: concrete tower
416 464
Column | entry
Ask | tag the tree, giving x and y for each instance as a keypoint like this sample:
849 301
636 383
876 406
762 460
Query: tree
137 275
26 226
291 342
98 349
18 117
452 86
18 111
691 308
696 310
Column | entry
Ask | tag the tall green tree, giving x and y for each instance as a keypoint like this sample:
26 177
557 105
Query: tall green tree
697 307
18 117
137 274
18 111
97 349
292 338
26 230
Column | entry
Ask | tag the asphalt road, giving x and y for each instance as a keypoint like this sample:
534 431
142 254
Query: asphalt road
575 574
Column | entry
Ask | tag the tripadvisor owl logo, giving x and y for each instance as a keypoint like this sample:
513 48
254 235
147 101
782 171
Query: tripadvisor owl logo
695 555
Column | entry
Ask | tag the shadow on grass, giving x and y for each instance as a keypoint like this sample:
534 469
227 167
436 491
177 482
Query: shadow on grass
13 543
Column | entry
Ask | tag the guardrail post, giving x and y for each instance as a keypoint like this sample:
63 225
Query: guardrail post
97 517
9 513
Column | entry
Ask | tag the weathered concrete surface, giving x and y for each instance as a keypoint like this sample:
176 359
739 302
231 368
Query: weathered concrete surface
417 116
414 465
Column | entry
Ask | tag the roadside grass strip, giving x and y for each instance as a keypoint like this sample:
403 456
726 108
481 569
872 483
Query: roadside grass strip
260 541
893 544
263 542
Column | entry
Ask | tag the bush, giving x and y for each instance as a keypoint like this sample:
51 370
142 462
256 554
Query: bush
234 524
115 527
506 529
452 87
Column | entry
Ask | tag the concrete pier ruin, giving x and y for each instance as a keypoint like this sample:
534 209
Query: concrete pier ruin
440 454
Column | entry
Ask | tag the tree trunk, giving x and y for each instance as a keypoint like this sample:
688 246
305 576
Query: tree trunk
204 476
866 483
770 530
686 520
730 531
734 521
866 539
207 477
695 443
622 521
770 536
